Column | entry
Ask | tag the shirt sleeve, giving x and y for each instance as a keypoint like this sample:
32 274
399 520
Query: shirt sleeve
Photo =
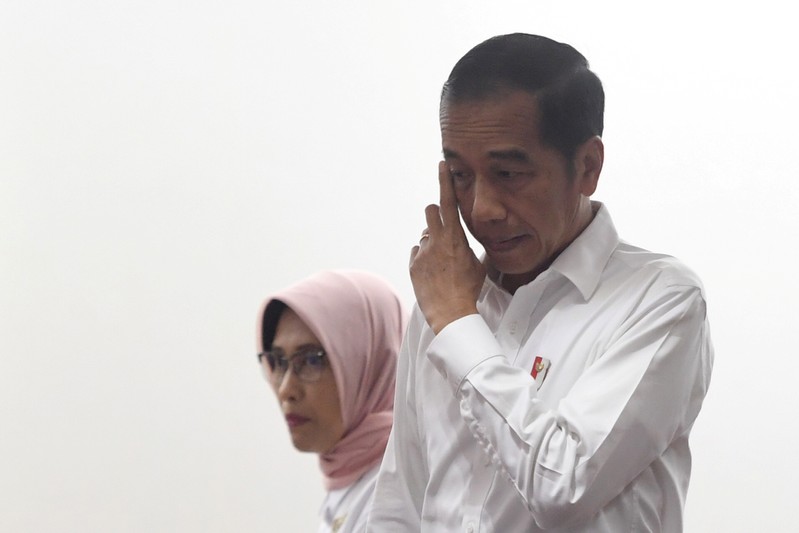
622 413
397 504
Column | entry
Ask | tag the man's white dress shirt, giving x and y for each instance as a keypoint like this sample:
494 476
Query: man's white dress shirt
597 442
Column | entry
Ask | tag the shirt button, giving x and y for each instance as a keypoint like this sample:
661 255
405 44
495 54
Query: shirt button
465 406
512 327
470 528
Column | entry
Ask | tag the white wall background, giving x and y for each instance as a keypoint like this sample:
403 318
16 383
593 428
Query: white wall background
166 164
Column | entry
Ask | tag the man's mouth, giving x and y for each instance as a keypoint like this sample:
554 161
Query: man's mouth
502 244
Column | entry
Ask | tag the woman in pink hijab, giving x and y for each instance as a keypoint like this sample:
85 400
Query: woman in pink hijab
329 348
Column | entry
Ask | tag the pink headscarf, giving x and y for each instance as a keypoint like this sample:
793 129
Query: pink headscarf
360 321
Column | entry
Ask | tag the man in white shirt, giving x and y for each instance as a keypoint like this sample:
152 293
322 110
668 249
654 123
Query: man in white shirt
553 384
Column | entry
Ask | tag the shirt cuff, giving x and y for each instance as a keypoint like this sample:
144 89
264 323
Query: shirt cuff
461 346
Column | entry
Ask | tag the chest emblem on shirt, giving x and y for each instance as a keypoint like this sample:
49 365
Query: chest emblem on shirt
540 370
337 523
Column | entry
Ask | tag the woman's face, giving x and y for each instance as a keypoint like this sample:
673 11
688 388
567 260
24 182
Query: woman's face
311 409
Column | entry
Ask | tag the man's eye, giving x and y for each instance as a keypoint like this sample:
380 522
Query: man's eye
508 174
511 175
459 176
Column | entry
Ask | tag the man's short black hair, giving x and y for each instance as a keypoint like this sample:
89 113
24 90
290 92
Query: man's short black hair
570 97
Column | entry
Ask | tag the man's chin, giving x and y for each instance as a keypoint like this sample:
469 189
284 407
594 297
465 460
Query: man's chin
509 271
506 265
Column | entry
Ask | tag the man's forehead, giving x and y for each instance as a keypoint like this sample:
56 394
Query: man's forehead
501 127
515 107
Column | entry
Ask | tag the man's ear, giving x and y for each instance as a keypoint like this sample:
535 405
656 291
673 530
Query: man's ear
588 164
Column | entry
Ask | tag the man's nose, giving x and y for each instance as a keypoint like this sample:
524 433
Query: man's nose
487 204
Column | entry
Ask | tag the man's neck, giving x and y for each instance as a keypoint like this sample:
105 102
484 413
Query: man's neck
511 282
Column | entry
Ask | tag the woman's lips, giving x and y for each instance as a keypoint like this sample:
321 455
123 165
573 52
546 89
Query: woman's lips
296 420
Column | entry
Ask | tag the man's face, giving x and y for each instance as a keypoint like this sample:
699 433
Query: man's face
518 197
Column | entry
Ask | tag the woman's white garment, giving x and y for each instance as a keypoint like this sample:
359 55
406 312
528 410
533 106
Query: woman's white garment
345 510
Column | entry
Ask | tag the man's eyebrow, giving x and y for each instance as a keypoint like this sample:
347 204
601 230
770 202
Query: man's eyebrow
511 154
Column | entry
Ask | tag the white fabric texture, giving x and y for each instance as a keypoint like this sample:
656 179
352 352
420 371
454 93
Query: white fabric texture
601 446
345 510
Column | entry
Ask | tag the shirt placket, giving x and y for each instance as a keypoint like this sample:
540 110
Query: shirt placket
510 333
513 327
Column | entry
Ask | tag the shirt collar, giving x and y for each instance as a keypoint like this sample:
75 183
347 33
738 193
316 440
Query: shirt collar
584 260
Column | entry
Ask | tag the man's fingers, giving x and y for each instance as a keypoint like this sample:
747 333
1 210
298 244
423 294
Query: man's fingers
448 201
433 216
414 251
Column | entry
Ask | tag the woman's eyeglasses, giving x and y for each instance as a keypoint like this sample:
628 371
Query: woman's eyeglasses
307 364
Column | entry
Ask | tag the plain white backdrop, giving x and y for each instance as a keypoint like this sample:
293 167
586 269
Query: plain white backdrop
164 165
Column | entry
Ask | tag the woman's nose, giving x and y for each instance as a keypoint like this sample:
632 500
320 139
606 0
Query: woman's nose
289 387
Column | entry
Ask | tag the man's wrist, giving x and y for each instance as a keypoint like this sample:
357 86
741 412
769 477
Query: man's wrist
440 322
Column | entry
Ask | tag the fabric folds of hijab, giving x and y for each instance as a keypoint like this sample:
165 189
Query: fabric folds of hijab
360 321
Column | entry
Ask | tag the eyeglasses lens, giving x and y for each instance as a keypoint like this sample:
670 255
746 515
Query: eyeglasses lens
307 365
